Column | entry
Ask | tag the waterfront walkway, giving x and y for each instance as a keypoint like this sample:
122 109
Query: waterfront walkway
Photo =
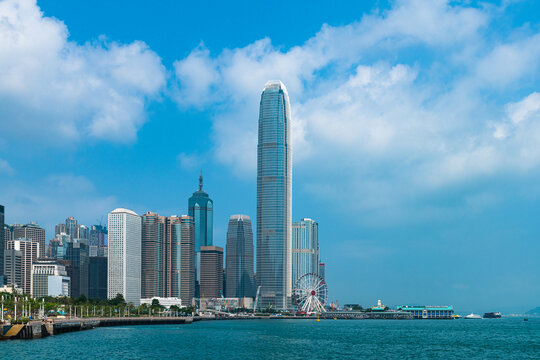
39 329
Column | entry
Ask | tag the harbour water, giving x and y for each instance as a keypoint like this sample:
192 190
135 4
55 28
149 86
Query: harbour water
294 339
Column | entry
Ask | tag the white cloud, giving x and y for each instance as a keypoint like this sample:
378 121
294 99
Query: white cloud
190 161
5 168
235 77
357 96
526 109
54 89
509 62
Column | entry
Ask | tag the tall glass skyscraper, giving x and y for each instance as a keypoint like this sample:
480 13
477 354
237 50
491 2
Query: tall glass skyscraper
305 248
239 258
201 209
274 205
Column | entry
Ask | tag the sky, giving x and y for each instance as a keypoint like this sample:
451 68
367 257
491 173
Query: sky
415 127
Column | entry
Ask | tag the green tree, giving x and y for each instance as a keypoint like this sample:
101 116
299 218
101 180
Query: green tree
117 300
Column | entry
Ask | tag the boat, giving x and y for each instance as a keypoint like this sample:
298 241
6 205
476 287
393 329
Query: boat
492 315
456 316
472 316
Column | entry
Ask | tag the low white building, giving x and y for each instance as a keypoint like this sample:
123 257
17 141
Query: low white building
167 302
49 278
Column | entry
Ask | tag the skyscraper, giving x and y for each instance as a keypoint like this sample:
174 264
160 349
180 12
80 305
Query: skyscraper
97 235
172 256
153 251
305 248
97 278
78 255
71 226
211 271
13 267
186 279
30 252
2 245
274 205
201 209
124 263
239 258
33 232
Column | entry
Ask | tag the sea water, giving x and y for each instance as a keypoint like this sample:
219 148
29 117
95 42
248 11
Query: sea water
293 339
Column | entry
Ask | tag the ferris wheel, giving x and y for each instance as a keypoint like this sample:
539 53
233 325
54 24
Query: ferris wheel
310 293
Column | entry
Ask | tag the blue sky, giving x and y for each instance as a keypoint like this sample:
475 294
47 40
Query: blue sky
415 129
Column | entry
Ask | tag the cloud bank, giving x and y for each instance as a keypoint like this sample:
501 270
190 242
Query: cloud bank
56 91
410 95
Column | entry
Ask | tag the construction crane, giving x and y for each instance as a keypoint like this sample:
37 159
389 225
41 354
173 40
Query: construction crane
257 299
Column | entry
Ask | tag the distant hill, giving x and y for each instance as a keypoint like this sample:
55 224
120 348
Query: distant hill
535 311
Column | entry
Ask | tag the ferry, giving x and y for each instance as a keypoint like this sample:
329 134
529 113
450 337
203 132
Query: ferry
492 315
472 316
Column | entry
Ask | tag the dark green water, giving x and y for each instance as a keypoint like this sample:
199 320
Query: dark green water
294 339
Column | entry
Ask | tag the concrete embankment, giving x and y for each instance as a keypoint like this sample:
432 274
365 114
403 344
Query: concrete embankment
39 329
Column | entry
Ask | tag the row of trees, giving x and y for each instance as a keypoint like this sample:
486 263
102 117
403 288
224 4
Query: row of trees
24 307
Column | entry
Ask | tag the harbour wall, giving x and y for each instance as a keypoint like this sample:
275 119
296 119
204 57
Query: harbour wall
39 329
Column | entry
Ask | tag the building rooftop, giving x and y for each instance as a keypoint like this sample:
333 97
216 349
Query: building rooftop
239 217
122 210
275 84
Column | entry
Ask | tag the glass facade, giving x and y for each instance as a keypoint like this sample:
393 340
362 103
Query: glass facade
305 248
152 255
274 207
77 254
201 209
239 258
187 255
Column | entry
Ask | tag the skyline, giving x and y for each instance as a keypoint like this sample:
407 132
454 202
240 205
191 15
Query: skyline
436 188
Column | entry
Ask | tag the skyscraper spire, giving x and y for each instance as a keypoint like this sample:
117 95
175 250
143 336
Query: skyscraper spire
200 181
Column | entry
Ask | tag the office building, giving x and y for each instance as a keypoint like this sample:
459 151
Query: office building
211 283
49 278
97 277
305 248
124 265
239 258
30 253
201 209
30 231
274 197
73 229
172 257
60 229
98 234
77 255
322 271
71 226
13 267
186 283
153 251
58 246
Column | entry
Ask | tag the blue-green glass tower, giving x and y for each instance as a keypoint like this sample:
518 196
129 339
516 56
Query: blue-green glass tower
274 195
201 209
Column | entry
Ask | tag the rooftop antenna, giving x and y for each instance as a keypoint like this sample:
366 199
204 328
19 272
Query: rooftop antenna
200 182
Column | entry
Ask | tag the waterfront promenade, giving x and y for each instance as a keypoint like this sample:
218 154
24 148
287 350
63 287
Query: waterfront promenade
39 329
